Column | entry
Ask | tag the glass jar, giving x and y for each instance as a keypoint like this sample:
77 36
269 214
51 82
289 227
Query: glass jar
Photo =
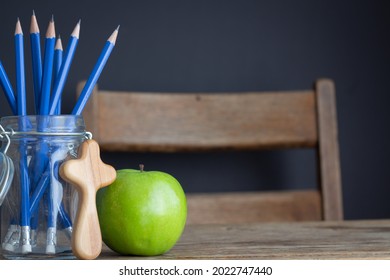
38 211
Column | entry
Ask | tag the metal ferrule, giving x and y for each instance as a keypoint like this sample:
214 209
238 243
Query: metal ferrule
51 240
26 239
11 239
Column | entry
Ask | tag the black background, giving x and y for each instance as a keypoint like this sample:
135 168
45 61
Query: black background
237 46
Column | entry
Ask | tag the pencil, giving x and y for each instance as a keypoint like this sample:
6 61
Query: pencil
45 93
57 57
58 52
94 76
20 76
44 110
64 70
7 88
21 108
36 60
47 69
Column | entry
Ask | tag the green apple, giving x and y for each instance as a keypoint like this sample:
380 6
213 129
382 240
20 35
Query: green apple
142 212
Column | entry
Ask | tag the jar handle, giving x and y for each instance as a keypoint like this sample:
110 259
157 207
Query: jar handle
88 173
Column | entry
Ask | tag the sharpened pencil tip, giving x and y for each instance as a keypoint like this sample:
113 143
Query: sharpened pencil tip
117 29
114 35
76 30
51 32
52 18
34 24
58 45
18 29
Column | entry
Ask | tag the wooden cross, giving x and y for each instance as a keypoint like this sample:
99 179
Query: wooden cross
88 174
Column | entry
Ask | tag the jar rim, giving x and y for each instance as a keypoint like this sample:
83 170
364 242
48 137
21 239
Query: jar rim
44 125
63 116
86 134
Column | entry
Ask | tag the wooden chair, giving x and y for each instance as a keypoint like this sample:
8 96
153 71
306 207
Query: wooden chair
230 121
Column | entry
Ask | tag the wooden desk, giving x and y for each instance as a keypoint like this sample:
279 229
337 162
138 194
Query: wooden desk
310 240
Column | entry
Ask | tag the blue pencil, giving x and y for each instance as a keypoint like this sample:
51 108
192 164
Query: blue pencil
22 111
36 60
35 44
40 189
64 70
20 76
45 100
7 88
47 69
94 76
44 110
58 52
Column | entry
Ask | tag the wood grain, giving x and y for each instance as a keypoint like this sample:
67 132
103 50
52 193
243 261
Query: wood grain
179 122
88 173
329 163
247 207
303 240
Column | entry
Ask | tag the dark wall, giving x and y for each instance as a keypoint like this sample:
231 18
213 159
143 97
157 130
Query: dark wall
238 46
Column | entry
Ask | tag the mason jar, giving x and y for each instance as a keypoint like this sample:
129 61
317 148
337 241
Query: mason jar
39 208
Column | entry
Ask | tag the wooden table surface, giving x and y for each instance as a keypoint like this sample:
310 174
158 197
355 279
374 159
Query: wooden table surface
368 239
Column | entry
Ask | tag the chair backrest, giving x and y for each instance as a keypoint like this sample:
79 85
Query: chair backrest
174 122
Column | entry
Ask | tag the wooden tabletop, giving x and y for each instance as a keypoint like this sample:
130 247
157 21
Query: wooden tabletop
368 239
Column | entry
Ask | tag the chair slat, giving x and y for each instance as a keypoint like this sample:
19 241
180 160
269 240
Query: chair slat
247 207
181 122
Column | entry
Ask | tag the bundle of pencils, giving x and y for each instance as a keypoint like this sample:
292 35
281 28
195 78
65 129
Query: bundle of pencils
49 79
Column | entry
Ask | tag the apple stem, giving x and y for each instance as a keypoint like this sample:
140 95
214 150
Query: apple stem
141 167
